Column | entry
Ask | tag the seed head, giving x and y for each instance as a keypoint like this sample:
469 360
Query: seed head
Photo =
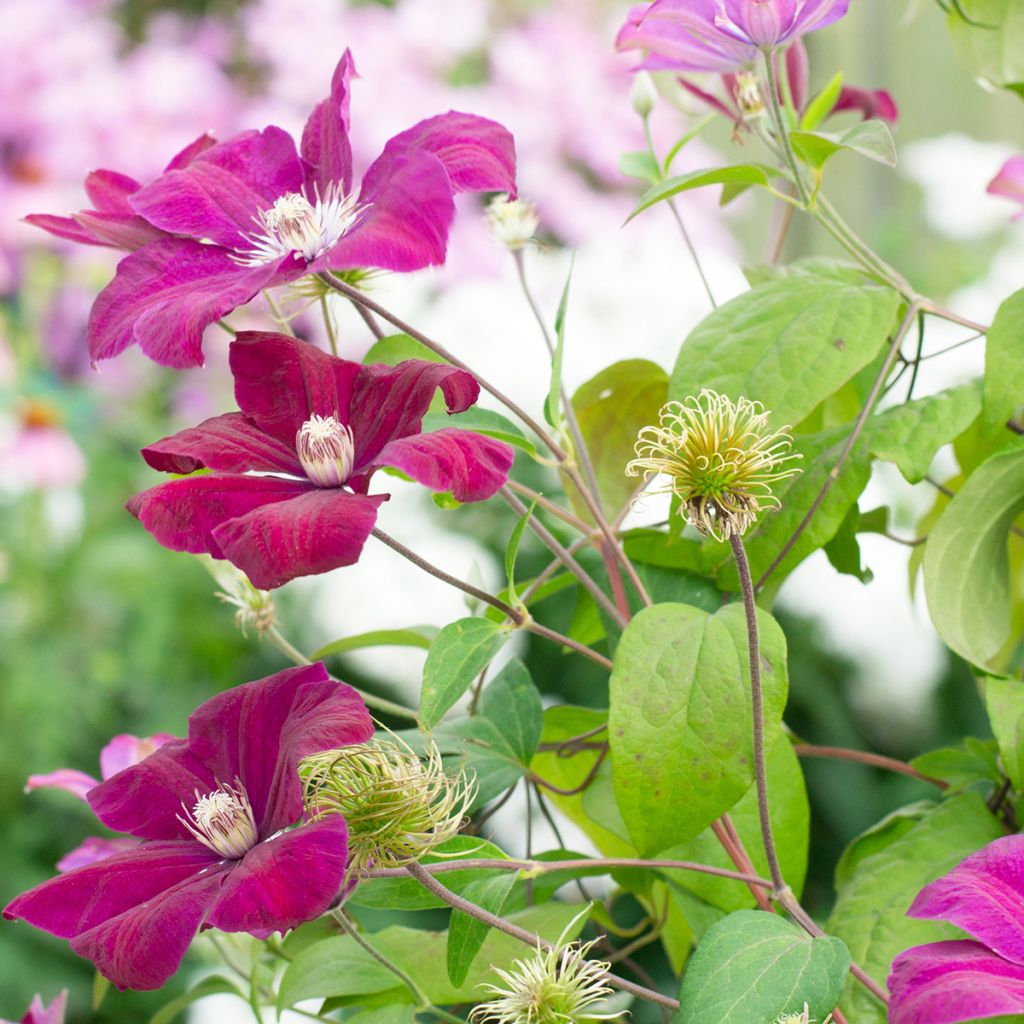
718 457
397 806
554 986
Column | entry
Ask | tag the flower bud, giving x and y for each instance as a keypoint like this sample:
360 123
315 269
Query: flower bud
513 221
748 95
255 606
397 806
642 93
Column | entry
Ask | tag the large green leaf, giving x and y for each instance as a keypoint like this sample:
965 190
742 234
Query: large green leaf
1004 365
1004 702
481 421
868 138
679 724
466 934
738 176
414 636
512 702
870 912
966 563
611 408
457 655
339 967
988 38
396 348
753 966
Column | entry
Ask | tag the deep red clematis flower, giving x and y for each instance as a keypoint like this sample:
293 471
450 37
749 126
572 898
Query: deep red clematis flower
113 222
253 212
287 495
214 812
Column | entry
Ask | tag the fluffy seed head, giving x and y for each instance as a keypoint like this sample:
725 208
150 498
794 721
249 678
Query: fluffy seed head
554 986
513 221
223 821
718 457
326 450
397 806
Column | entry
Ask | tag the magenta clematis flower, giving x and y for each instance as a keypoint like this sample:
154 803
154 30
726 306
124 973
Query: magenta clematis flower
287 495
253 212
1009 182
113 222
121 752
214 812
720 35
962 980
39 1014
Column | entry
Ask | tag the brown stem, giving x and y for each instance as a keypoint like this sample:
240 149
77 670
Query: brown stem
863 757
551 506
588 779
565 641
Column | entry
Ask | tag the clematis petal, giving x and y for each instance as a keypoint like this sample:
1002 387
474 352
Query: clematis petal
471 466
798 73
763 22
389 402
409 210
478 154
64 227
124 750
220 194
109 190
313 533
74 782
121 230
259 731
164 296
184 514
983 895
946 982
185 156
325 144
280 382
52 1014
93 850
231 443
285 881
1009 182
815 14
869 102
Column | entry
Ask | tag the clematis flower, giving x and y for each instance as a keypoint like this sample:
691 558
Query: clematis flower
213 812
720 35
963 980
287 493
1009 182
253 212
121 752
113 222
39 1014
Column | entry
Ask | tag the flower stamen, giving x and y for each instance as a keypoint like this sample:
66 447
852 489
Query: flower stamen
223 821
326 450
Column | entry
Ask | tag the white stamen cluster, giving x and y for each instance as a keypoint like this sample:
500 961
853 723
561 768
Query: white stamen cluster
223 821
326 450
295 225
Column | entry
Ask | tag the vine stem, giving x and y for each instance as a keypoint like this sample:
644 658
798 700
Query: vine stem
551 506
521 619
858 427
864 757
427 880
780 126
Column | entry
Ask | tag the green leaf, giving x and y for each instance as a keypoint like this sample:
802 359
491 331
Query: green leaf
414 636
481 421
739 174
511 701
966 563
466 935
753 966
788 343
457 655
1004 365
384 1015
972 761
1004 702
988 40
911 434
679 721
611 408
512 551
212 986
843 550
339 967
640 164
553 402
870 912
868 138
821 105
396 348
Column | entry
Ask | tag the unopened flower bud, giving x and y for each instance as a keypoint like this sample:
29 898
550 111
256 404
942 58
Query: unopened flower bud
748 95
513 221
800 1018
642 93
255 607
554 986
397 807
719 459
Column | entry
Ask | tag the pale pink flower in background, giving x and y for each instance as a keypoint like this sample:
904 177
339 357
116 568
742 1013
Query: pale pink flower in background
37 454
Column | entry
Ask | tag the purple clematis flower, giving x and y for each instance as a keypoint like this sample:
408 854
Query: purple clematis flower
720 35
961 980
253 212
287 495
113 222
1009 182
121 752
214 812
39 1014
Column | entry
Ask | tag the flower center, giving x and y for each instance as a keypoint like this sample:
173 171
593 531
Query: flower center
295 225
326 450
223 821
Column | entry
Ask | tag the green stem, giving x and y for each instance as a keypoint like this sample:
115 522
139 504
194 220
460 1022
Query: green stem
780 128
350 929
329 325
